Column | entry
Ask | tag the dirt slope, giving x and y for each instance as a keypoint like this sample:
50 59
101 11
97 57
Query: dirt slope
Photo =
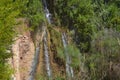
23 52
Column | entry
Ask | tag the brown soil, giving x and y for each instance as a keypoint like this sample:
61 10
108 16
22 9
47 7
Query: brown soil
23 52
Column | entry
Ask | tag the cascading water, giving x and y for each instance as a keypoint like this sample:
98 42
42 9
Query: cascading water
47 56
34 64
69 69
47 13
48 17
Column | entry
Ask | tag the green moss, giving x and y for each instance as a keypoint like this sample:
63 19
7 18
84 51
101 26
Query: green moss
55 36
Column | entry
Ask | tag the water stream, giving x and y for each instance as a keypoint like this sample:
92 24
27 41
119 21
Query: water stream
34 64
47 13
69 69
48 69
46 52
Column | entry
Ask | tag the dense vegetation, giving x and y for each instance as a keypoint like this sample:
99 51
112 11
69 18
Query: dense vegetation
86 17
10 11
94 26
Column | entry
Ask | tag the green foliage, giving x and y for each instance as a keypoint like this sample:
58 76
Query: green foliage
5 72
97 64
107 14
59 78
78 16
73 52
33 10
55 37
9 10
105 49
95 23
41 77
85 17
61 53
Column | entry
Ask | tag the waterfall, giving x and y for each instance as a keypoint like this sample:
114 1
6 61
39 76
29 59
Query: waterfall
46 53
44 3
47 56
47 13
69 69
34 64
